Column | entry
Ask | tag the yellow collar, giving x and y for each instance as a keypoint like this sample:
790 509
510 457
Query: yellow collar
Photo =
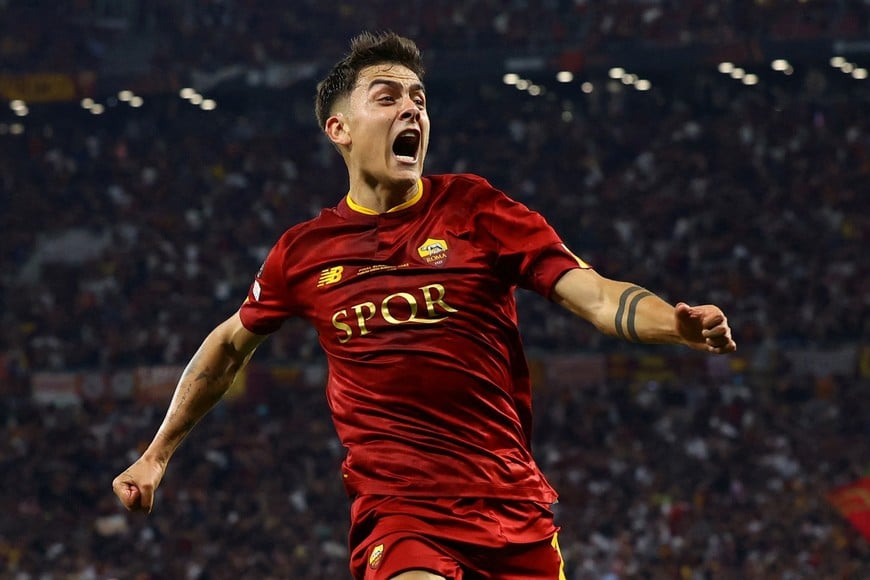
405 204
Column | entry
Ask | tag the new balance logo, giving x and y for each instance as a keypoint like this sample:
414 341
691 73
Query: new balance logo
330 276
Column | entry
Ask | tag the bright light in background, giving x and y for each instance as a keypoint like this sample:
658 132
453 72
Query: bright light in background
750 79
19 107
565 76
196 99
510 78
643 85
726 67
535 90
780 64
186 93
837 61
87 103
208 105
616 72
16 128
859 73
522 84
125 96
97 109
847 67
788 71
587 87
738 73
136 102
629 79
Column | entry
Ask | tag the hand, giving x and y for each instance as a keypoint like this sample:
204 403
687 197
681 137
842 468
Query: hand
135 487
704 328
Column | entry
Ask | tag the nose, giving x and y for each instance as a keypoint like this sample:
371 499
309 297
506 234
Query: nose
409 112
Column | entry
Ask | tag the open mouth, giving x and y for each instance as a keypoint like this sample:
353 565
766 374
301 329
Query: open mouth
406 146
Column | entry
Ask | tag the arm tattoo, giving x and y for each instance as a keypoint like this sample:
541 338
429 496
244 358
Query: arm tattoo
632 310
636 293
206 374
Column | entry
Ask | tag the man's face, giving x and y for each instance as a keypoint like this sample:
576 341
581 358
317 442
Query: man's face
387 126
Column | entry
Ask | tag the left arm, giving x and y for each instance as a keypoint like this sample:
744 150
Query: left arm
633 313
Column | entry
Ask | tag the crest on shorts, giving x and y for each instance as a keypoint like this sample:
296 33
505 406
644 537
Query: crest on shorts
433 251
376 557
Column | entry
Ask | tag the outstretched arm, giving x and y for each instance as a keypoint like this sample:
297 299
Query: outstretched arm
633 313
204 381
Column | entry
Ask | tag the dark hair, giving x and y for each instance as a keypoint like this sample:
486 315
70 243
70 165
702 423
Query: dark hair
366 49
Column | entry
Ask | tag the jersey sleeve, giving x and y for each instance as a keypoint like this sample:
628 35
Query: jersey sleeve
529 251
268 303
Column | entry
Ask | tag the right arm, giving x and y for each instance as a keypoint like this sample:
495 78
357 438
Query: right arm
208 375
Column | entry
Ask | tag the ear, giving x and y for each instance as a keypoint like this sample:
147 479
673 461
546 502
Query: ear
337 130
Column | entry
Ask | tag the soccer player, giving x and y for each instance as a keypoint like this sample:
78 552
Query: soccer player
410 284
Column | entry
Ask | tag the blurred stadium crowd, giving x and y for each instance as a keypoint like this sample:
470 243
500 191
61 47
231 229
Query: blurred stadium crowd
124 238
213 33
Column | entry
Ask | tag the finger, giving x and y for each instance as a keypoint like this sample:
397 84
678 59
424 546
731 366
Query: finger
683 310
715 332
146 501
132 497
713 320
127 491
727 348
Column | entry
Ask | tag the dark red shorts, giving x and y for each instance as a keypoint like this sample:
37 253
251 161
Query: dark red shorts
458 538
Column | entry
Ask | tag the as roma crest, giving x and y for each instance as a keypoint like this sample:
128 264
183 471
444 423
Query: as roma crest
433 252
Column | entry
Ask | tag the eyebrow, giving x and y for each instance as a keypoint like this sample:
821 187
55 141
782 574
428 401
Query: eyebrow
418 86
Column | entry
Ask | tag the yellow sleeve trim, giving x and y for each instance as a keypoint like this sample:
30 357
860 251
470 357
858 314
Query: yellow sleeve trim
580 262
555 544
405 204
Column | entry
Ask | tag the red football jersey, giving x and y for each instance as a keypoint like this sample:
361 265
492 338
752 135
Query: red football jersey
428 383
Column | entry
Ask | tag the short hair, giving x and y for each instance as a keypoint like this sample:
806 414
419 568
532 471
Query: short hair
366 49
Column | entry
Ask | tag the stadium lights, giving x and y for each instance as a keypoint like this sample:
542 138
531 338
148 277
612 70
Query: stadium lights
17 105
87 103
186 93
510 78
22 111
618 73
587 87
726 67
208 105
847 67
535 90
780 65
837 61
196 99
97 109
859 73
750 79
136 102
522 84
125 96
738 73
565 76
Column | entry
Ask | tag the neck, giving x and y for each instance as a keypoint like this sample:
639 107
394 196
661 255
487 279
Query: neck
381 198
